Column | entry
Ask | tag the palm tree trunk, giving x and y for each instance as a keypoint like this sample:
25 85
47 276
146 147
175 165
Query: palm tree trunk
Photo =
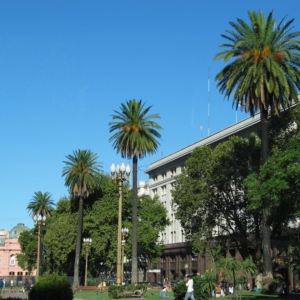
78 244
134 264
266 231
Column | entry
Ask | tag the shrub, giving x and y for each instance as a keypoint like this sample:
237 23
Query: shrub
115 291
133 287
51 287
179 290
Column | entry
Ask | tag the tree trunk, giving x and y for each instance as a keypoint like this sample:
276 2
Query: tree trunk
266 231
78 244
134 264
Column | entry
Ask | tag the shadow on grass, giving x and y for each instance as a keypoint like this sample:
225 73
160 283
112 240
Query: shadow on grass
260 296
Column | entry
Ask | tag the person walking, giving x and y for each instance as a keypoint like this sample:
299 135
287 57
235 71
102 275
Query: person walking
190 288
4 283
11 284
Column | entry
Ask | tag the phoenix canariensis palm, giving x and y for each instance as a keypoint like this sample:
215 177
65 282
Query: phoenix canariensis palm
136 135
81 172
41 204
262 76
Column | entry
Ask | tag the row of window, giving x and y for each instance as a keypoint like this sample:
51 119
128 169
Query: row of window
174 238
164 175
12 260
19 273
163 189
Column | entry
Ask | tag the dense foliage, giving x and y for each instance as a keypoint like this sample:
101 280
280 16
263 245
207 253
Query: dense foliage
51 287
100 224
210 199
262 75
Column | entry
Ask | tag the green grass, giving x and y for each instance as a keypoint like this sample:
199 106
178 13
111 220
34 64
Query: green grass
154 295
149 295
260 296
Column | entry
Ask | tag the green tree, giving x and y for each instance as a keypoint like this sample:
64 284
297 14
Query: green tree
100 223
41 204
278 184
236 271
81 172
152 220
28 243
263 75
295 253
60 239
210 199
135 136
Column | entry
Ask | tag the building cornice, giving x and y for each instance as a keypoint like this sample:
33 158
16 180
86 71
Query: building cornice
214 138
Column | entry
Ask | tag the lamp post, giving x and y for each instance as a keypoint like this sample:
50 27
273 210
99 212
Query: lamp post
124 235
118 174
87 242
186 268
39 220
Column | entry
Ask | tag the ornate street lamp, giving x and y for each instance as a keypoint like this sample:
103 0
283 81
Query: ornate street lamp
120 174
124 235
39 221
87 242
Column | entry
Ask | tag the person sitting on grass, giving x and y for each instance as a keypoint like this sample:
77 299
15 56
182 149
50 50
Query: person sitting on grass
163 293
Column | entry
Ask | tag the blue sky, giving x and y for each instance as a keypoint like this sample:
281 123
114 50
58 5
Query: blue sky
67 65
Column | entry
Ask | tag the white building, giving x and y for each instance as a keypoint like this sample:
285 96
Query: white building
177 258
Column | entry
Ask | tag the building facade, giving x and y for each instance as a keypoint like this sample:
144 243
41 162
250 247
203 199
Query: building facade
177 258
9 248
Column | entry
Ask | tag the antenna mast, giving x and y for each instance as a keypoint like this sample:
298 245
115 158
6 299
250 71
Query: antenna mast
208 103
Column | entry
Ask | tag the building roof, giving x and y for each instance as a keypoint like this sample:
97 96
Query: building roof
15 232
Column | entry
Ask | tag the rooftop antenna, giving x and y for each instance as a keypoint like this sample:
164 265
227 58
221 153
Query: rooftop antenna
208 100
201 127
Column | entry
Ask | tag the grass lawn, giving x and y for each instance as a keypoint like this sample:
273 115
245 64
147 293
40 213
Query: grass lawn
149 295
154 295
259 296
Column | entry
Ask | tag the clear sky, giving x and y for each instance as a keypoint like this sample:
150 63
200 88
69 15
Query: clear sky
67 65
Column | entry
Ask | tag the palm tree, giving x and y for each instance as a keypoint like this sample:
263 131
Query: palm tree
136 135
41 204
81 171
263 76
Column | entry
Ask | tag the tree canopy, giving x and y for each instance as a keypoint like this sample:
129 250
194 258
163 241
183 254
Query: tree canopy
262 75
41 204
136 134
100 224
209 196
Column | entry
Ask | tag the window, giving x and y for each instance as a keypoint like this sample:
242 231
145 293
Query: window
182 236
164 176
173 172
172 237
154 192
163 190
154 178
12 273
20 273
12 260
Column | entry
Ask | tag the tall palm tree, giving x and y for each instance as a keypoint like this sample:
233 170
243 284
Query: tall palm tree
81 171
136 135
41 204
262 75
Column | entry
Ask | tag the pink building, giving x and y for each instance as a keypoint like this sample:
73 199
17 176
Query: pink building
9 248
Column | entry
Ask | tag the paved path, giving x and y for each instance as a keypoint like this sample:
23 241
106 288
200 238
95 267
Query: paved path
14 293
